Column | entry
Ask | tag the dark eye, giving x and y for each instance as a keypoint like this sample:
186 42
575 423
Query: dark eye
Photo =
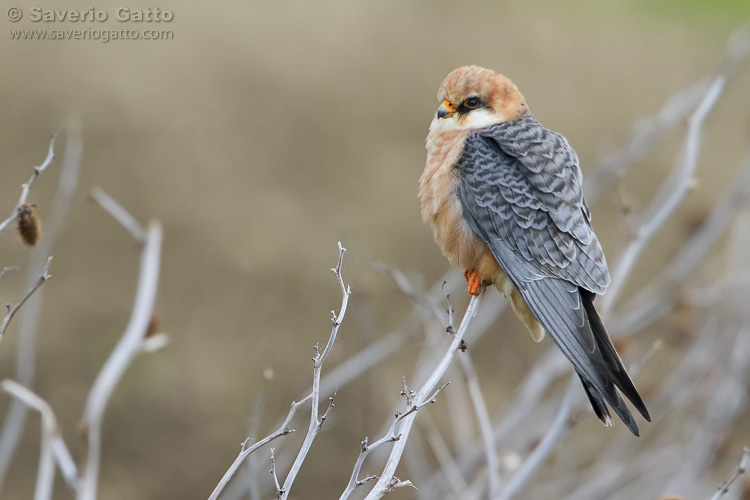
472 102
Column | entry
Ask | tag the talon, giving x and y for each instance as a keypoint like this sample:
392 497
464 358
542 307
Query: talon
472 278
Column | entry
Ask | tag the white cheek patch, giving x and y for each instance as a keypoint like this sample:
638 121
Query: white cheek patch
479 118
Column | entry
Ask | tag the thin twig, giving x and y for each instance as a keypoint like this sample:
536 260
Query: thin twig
448 311
384 347
473 384
15 418
8 268
553 435
659 297
669 196
316 421
648 133
279 491
442 453
13 309
252 434
116 210
391 436
384 484
369 357
283 430
129 346
724 370
485 424
27 187
53 447
741 469
408 289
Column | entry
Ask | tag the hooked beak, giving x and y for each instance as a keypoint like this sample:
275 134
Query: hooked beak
446 109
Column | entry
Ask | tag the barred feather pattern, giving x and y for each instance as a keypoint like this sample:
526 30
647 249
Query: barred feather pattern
519 187
525 182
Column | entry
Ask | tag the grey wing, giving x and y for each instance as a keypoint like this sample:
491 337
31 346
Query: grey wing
520 190
525 184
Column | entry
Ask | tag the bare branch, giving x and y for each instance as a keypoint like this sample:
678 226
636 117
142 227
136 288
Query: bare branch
375 353
741 469
384 347
316 422
27 187
8 268
447 463
485 424
669 196
53 446
116 210
554 434
391 436
368 357
449 311
408 289
648 133
29 316
384 485
13 309
279 491
129 346
283 430
658 297
251 466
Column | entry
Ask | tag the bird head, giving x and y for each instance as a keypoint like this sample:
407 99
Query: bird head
476 97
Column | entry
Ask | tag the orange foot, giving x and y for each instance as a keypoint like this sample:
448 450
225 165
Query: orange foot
472 278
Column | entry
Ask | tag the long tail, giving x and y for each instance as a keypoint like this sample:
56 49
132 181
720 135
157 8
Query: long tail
613 364
567 313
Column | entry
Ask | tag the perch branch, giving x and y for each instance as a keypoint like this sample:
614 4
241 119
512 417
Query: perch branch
472 381
391 436
384 484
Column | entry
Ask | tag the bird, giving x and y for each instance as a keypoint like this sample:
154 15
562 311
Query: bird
504 197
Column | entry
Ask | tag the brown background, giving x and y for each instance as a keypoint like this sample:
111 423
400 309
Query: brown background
260 135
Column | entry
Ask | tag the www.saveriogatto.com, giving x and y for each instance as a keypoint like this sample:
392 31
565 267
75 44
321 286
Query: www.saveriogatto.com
102 25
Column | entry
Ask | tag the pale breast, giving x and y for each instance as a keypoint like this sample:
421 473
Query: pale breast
440 204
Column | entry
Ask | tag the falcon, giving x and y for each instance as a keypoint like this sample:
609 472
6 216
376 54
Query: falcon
503 195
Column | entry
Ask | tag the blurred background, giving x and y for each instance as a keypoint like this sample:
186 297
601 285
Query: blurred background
265 132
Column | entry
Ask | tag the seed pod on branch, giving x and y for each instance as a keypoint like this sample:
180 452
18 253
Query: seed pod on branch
28 224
